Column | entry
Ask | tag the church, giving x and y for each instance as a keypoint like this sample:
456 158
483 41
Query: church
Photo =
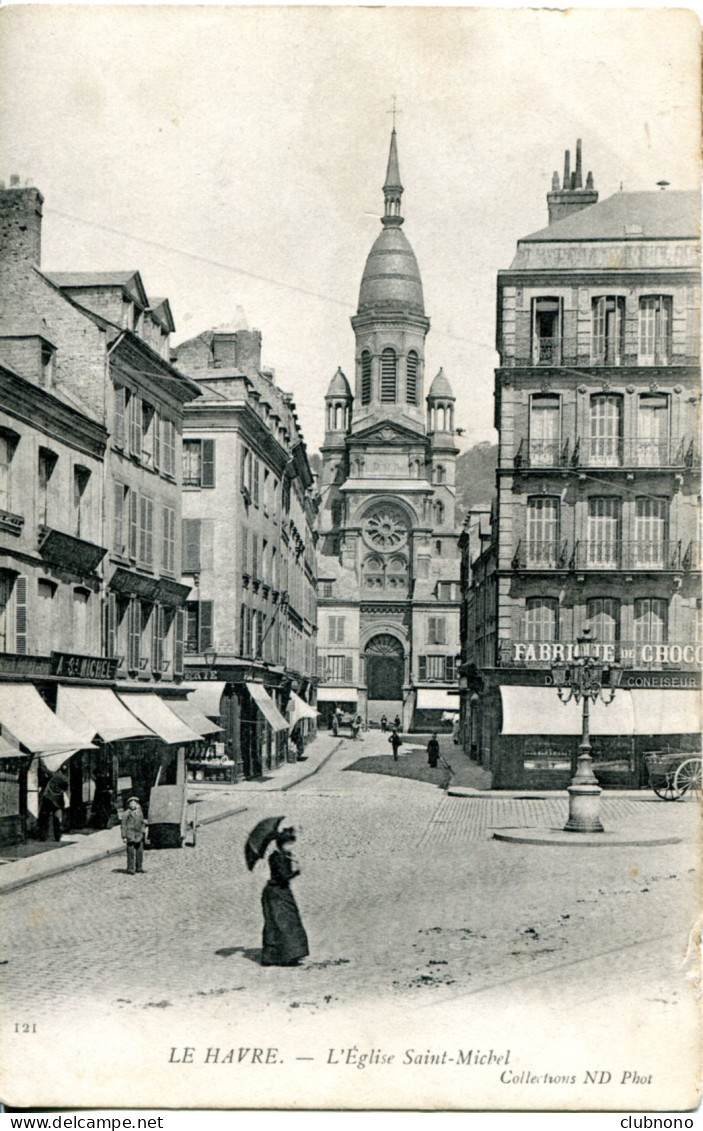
388 557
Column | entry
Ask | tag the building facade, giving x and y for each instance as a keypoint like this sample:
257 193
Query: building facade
248 551
597 516
91 600
388 566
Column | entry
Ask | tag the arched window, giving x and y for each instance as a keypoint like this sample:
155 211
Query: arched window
389 377
440 418
411 378
366 377
438 510
440 474
338 416
397 573
373 573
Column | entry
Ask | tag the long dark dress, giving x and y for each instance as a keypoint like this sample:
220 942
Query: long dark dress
285 940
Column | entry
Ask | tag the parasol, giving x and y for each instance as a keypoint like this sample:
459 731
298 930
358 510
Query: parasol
259 839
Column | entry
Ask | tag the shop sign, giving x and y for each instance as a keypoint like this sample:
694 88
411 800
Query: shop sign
631 655
14 664
201 674
72 666
546 758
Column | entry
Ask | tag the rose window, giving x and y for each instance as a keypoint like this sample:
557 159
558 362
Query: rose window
386 529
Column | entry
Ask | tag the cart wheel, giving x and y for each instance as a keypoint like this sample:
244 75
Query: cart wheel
687 778
666 789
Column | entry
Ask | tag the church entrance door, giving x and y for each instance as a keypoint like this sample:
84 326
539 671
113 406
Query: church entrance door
384 667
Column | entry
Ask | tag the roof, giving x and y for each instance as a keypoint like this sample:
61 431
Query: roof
339 386
440 387
128 280
391 279
629 215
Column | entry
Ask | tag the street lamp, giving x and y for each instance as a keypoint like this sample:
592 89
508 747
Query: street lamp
583 680
210 657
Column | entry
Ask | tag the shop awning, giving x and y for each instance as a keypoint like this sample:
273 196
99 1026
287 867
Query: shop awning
192 717
436 699
299 709
206 696
666 712
96 712
267 706
337 695
158 717
537 710
25 717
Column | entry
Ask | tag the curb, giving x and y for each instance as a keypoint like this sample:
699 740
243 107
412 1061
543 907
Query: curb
312 772
558 838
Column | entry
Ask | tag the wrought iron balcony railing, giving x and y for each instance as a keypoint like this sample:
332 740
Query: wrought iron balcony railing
571 351
541 554
644 554
606 451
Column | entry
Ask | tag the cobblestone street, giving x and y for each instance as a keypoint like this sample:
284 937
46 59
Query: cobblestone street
405 898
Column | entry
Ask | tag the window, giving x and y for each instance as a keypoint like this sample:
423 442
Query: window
255 555
191 545
168 447
47 366
245 631
134 634
605 444
168 539
198 463
653 430
608 330
8 443
245 548
119 518
81 479
546 331
389 377
336 630
339 669
157 638
541 619
438 548
542 531
255 486
651 530
134 417
374 572
603 614
150 423
146 530
655 330
366 377
438 512
604 531
545 430
397 574
179 642
13 613
79 627
446 591
46 591
436 668
411 368
47 463
260 628
440 473
651 620
198 626
133 505
327 588
436 630
120 415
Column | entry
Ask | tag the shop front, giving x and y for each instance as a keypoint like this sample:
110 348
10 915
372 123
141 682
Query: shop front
264 732
302 720
164 762
329 699
436 709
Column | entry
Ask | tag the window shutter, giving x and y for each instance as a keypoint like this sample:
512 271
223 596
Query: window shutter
142 528
169 447
432 630
157 638
111 625
135 617
348 670
208 464
149 559
256 481
135 442
133 523
21 616
178 643
245 549
191 545
119 416
450 668
205 625
156 433
118 519
441 630
422 667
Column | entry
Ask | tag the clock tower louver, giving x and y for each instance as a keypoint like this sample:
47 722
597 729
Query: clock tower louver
388 568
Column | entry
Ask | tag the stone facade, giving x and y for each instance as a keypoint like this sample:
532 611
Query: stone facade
388 566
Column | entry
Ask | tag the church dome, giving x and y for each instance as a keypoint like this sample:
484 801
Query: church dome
339 386
391 279
440 387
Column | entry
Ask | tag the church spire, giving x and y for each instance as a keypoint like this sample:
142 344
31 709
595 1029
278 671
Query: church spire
392 189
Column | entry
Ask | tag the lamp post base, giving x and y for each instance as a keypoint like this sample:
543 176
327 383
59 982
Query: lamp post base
584 809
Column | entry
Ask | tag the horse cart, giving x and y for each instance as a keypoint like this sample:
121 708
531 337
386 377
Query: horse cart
674 776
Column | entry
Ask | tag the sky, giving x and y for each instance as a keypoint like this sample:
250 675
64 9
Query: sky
236 156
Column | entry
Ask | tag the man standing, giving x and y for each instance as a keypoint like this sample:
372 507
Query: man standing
395 741
433 752
133 833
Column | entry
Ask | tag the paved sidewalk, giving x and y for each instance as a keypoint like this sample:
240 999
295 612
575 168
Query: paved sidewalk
209 803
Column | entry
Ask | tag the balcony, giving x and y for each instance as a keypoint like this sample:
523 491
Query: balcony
532 554
572 352
63 549
606 452
11 523
646 554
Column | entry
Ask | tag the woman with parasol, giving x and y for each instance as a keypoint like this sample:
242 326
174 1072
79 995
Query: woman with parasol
285 941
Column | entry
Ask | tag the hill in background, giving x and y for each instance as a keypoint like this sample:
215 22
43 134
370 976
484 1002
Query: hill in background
476 476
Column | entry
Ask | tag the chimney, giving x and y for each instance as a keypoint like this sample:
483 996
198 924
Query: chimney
573 196
249 351
20 224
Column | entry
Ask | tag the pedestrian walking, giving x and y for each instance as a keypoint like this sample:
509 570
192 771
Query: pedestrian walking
51 807
397 723
285 941
384 723
356 726
433 752
395 741
134 828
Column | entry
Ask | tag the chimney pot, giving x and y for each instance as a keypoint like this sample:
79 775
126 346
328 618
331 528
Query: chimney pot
14 180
